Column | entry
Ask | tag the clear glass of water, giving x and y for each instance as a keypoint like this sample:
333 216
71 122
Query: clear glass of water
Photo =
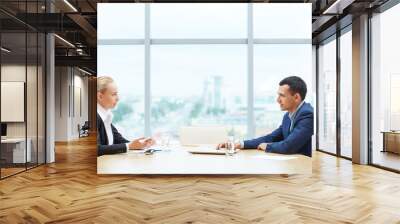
165 139
230 147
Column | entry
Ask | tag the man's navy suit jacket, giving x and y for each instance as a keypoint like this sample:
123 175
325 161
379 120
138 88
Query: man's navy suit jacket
282 140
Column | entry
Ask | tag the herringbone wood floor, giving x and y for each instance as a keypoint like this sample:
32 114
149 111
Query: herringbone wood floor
70 191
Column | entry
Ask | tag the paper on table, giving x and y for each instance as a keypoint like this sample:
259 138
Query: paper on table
205 147
141 151
274 157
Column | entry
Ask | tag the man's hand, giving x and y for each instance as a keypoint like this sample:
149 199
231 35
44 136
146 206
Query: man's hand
262 146
223 145
141 143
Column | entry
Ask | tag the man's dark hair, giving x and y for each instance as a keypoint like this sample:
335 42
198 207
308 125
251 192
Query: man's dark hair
296 85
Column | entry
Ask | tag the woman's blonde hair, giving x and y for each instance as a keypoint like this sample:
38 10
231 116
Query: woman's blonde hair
102 83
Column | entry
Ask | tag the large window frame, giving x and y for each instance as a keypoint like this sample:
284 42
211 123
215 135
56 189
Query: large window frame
370 90
381 9
335 37
342 98
250 41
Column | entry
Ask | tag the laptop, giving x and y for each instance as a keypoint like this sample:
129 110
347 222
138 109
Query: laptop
206 150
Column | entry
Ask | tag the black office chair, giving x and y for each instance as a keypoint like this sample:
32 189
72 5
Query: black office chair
84 130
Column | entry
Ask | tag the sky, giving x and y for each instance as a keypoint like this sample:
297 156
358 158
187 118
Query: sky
189 65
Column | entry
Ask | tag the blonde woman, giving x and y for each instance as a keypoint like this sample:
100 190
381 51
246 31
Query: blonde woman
109 140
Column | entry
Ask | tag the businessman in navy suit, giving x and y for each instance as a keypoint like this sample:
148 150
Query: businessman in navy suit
294 134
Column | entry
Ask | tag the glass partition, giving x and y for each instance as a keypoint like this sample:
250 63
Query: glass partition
385 85
14 153
327 96
22 88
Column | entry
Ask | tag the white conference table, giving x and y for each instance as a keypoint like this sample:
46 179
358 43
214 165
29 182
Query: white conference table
179 161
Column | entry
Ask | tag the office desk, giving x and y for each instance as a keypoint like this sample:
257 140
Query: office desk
179 161
13 150
391 141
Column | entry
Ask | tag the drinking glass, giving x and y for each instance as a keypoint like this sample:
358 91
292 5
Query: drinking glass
165 139
230 147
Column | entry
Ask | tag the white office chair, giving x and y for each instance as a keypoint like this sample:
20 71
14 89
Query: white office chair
195 135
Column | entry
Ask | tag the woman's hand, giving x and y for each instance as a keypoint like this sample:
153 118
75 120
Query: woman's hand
141 143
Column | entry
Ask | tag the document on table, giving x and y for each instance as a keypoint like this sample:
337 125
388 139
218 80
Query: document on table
148 151
141 151
206 149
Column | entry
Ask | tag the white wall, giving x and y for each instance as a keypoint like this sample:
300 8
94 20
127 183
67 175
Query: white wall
80 102
61 103
70 84
313 91
34 125
12 73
